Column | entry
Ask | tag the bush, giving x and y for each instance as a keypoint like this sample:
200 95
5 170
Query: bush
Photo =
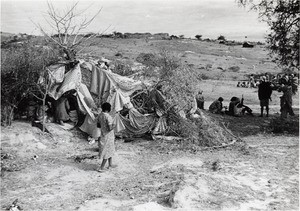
122 68
203 76
20 71
221 37
234 68
179 84
147 59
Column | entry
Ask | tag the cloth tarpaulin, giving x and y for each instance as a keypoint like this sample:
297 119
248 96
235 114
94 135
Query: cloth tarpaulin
89 126
71 80
119 124
85 100
56 76
118 100
113 88
138 123
83 107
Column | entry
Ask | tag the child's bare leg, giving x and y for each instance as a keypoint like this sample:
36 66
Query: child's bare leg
110 165
103 164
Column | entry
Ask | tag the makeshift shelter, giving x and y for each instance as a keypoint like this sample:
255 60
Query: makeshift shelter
105 86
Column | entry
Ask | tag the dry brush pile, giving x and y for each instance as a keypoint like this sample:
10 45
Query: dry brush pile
178 83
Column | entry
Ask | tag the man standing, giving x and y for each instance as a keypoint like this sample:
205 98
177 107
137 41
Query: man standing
200 100
286 100
264 95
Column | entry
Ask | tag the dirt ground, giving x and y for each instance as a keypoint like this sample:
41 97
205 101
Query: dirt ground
59 173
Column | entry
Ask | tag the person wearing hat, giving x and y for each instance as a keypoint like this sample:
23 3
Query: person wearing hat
264 95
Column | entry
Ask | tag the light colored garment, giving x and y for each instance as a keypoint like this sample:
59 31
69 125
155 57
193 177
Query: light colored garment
107 138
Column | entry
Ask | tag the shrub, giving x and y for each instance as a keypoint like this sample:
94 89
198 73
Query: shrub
20 71
147 59
234 68
203 76
221 37
290 126
122 68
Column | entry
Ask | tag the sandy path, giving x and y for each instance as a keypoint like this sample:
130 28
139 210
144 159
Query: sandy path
150 175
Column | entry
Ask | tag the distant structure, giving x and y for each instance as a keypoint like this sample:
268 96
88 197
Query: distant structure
247 45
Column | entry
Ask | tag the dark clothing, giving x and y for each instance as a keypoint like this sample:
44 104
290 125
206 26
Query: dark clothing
237 107
61 107
264 90
200 101
286 101
216 107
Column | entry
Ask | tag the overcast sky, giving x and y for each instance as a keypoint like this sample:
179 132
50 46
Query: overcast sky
209 18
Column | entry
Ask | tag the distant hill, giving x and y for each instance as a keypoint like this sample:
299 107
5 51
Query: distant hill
6 36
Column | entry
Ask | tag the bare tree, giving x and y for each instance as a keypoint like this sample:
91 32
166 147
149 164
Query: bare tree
69 26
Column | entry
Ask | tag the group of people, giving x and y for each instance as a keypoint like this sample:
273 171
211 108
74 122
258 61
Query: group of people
254 81
236 107
286 84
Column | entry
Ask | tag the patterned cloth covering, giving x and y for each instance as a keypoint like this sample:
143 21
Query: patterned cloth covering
60 82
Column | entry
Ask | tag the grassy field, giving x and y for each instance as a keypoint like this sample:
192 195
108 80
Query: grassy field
209 58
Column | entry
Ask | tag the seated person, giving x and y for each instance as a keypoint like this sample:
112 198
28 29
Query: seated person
217 106
233 102
61 107
237 107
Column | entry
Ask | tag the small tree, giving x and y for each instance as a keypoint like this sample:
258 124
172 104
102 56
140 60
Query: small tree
181 36
68 27
221 38
198 37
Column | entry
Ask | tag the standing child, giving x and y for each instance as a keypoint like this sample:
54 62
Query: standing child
107 138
